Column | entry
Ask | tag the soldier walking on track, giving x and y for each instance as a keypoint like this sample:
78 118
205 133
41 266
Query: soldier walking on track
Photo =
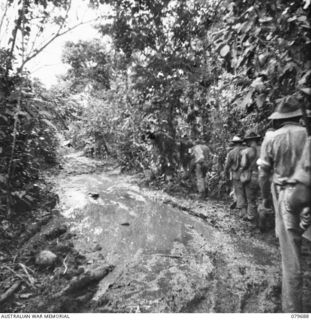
279 158
184 153
166 149
200 153
249 175
232 171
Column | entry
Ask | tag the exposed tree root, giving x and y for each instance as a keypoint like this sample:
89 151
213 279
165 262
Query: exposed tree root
7 294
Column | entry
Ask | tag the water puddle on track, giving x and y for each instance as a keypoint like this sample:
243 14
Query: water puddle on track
166 260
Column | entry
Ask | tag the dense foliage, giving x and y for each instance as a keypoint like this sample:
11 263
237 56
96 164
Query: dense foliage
205 69
202 69
27 134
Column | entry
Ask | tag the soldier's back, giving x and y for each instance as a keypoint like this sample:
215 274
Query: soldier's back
283 149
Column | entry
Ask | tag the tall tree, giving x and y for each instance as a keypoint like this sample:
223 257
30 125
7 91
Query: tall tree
23 120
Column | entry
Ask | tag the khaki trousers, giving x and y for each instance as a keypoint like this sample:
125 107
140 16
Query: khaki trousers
287 231
251 190
200 173
239 193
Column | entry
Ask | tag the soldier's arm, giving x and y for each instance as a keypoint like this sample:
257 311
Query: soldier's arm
192 161
264 183
192 165
228 163
265 165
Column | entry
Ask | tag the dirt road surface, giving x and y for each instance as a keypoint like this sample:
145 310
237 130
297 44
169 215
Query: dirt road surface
166 259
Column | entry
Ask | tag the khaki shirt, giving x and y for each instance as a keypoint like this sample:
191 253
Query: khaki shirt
281 151
233 162
249 157
200 153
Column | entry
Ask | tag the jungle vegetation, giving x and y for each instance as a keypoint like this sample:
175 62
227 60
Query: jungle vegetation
186 68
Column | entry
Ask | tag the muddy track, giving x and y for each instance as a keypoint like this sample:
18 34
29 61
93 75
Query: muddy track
170 254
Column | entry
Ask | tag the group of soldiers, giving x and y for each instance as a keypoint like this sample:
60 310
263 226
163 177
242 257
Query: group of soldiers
241 168
280 173
276 176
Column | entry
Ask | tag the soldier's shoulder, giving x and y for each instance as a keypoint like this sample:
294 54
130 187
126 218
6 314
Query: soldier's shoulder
245 150
232 151
297 130
248 151
270 135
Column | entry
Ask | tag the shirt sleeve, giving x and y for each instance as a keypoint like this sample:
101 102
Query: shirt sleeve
266 158
228 162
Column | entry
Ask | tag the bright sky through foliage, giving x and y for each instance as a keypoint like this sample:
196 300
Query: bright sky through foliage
47 65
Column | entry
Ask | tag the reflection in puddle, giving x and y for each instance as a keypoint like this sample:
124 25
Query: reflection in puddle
98 231
74 199
161 253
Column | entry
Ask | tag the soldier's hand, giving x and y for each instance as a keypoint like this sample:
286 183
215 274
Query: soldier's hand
305 218
265 207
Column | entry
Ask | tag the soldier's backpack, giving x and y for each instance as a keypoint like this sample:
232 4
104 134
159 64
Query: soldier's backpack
299 200
247 164
301 196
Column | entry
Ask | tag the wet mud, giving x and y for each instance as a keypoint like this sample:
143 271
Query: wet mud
163 253
166 260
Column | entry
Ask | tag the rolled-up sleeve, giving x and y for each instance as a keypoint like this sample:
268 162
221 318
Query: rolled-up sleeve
265 165
265 161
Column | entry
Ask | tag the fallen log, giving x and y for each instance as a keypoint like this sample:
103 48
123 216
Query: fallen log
84 280
7 294
87 278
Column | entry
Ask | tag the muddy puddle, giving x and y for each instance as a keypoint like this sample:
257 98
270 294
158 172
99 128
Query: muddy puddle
165 259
